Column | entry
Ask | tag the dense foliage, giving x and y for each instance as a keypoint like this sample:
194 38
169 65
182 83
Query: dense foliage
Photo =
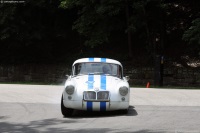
128 30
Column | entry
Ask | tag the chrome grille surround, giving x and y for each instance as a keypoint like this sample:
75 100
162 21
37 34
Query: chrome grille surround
89 95
102 95
96 96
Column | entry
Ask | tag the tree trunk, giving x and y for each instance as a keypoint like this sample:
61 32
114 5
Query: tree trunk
130 53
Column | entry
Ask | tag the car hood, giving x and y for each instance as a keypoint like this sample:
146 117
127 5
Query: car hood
96 82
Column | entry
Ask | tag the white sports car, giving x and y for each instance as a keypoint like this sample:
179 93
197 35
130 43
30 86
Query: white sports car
96 84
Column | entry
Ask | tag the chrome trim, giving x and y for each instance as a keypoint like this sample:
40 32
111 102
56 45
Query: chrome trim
96 97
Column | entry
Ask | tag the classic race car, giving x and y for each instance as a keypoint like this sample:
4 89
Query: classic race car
96 84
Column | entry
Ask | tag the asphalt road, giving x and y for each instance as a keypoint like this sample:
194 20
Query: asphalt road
36 108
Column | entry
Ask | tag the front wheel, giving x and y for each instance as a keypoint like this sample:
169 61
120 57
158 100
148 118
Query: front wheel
65 111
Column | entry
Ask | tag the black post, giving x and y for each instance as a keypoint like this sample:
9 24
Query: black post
158 72
161 70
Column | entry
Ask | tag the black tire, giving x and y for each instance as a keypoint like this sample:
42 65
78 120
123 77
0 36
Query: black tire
65 111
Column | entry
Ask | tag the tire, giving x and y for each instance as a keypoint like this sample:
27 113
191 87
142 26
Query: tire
66 112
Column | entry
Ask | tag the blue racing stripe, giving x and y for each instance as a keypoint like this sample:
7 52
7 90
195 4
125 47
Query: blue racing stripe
103 82
103 59
102 106
103 87
90 86
90 81
89 106
91 59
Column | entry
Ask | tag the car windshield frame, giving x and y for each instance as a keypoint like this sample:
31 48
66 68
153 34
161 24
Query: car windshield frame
97 68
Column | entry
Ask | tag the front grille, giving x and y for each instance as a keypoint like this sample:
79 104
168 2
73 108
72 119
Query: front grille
90 95
96 96
103 95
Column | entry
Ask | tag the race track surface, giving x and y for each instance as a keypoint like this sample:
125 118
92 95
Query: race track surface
36 108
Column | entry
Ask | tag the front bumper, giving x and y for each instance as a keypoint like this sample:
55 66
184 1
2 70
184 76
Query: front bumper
96 106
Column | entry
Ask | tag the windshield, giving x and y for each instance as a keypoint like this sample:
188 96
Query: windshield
98 68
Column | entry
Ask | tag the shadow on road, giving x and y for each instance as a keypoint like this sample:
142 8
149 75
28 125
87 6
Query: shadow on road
88 114
48 126
132 111
68 125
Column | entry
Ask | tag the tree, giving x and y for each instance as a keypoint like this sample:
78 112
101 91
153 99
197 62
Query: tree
35 32
139 29
96 19
192 35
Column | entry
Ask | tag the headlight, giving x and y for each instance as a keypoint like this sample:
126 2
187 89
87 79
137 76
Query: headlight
123 90
69 89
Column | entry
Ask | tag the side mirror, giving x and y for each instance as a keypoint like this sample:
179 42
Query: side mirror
127 78
67 76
